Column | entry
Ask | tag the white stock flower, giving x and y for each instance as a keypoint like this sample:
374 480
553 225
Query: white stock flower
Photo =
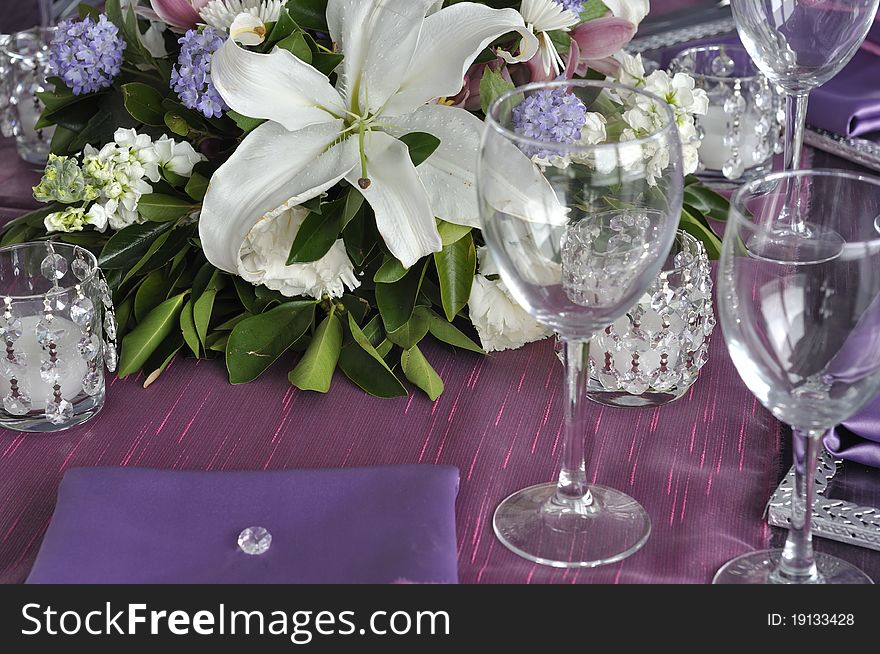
97 216
632 69
71 219
221 14
501 323
263 260
632 10
678 91
179 157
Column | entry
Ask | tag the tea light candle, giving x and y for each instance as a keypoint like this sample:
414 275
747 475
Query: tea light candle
73 366
714 153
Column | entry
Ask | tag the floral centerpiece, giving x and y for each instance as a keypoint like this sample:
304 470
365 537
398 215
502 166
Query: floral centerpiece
260 176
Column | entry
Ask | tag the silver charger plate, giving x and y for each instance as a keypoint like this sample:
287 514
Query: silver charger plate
835 519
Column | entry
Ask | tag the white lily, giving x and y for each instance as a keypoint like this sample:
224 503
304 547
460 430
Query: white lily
398 61
543 17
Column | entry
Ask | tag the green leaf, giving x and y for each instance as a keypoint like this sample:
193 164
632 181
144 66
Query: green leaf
143 340
256 343
128 245
412 333
87 10
326 62
159 208
364 366
188 328
202 311
419 372
246 292
451 233
197 186
448 333
161 251
421 145
284 27
709 203
311 14
397 301
150 294
176 123
144 103
593 9
314 372
296 44
160 359
391 271
217 342
245 123
695 225
492 85
321 229
456 266
315 237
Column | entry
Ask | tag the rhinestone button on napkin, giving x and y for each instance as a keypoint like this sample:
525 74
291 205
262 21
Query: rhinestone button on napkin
255 541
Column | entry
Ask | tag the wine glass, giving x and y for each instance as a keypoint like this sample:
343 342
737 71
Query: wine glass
799 45
579 233
802 323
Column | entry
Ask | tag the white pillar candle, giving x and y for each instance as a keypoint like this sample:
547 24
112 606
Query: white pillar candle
73 365
714 153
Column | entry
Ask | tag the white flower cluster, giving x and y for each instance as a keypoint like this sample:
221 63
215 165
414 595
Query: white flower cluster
501 322
264 253
644 116
120 173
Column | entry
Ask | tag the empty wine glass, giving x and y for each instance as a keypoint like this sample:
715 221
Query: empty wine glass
579 233
802 323
799 45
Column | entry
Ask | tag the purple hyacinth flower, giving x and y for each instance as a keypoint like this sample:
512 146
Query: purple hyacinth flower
576 6
191 78
86 54
553 116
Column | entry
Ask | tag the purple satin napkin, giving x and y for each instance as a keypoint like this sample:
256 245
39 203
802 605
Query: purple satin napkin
359 525
849 104
858 439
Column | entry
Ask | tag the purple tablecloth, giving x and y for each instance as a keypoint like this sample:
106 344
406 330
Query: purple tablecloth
703 467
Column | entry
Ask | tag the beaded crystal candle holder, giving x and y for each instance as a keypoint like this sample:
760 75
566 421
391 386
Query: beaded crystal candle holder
743 126
58 331
24 64
654 353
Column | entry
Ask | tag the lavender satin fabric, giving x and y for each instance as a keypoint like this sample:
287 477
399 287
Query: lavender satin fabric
849 104
858 439
359 525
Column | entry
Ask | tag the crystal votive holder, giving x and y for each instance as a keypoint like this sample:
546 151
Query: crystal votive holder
654 353
743 126
24 68
58 330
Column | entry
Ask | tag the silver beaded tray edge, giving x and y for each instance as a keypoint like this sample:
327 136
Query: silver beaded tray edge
834 519
860 151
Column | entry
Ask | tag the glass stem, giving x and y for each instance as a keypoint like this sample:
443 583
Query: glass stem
795 123
797 564
572 488
46 13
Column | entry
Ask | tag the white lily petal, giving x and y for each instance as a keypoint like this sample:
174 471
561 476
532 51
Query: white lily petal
277 86
378 38
451 40
516 186
271 168
399 200
449 174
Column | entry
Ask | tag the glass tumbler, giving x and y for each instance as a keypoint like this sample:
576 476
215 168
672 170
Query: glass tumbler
24 64
58 330
744 124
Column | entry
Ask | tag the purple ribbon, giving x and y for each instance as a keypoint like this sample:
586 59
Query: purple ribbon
858 439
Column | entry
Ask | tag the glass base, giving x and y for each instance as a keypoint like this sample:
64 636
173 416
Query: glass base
36 422
806 245
628 400
760 568
532 524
